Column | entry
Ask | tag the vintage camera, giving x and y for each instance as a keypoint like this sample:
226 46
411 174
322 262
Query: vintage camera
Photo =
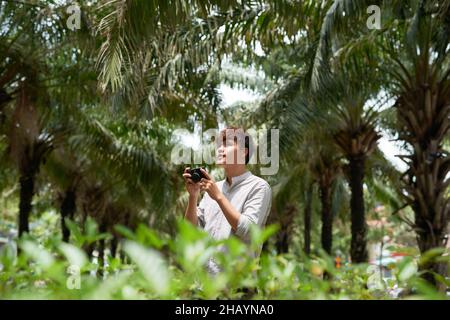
197 175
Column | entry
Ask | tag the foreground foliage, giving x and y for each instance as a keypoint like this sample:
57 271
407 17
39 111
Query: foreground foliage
156 266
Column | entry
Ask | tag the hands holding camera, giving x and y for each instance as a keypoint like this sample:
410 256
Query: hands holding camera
198 179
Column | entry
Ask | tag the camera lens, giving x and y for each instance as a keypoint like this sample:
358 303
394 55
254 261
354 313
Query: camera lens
195 176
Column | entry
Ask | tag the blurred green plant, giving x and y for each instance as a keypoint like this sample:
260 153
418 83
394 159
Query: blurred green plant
160 267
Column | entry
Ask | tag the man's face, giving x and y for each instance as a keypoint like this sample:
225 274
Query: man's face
230 152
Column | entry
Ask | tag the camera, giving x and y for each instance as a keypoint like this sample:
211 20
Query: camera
196 174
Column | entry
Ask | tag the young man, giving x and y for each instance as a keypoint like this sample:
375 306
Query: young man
231 206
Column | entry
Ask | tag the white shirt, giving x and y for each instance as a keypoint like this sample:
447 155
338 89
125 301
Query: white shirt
250 195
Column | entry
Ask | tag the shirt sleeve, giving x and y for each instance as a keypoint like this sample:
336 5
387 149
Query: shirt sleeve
255 210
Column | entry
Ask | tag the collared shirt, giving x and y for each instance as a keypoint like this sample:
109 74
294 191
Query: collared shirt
250 195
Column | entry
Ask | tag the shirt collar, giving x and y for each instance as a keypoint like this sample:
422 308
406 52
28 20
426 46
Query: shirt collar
236 180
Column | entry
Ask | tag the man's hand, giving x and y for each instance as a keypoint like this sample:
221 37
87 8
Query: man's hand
192 188
209 185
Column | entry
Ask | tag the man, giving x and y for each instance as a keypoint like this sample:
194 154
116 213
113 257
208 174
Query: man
231 206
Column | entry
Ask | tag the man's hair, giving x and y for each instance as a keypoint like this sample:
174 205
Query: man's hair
239 133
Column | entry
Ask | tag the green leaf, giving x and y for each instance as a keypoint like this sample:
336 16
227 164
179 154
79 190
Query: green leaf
407 269
188 232
8 255
260 235
73 254
124 231
149 237
151 264
75 232
38 254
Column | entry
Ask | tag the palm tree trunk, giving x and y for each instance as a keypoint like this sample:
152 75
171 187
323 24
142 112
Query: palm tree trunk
101 251
327 218
25 148
286 224
358 249
101 257
113 246
4 98
431 211
307 220
89 249
28 168
26 196
428 241
68 207
282 243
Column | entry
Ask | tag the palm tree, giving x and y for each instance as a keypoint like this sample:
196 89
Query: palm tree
412 48
161 67
31 64
26 146
44 111
288 195
352 124
337 114
113 171
323 162
326 169
28 149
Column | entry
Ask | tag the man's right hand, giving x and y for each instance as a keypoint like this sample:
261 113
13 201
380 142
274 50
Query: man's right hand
192 187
